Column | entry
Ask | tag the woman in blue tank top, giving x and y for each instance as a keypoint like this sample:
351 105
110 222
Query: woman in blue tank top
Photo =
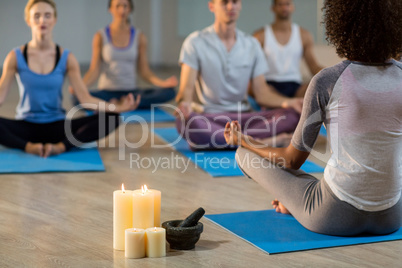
119 52
40 66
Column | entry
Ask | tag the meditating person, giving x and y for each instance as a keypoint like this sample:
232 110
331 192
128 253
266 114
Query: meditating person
285 44
41 127
219 62
118 51
360 103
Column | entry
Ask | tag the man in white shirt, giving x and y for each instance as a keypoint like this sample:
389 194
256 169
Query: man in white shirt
220 62
285 44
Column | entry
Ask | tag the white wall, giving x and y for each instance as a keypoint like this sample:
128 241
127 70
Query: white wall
78 20
13 30
194 14
180 17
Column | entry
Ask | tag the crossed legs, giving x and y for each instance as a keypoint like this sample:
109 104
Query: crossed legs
205 131
312 202
148 96
45 139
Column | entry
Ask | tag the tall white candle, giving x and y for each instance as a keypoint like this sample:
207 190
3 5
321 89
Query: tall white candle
135 243
143 208
157 207
122 216
155 242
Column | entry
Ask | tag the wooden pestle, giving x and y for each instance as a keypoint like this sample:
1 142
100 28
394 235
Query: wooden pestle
193 219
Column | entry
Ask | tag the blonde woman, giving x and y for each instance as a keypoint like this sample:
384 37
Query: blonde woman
40 66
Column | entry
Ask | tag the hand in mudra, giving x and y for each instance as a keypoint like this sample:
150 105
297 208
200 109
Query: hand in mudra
127 103
232 133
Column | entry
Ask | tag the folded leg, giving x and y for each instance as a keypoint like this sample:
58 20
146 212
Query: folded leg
312 202
205 131
16 133
148 96
73 133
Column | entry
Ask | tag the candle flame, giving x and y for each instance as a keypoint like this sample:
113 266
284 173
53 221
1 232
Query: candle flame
155 229
144 189
122 188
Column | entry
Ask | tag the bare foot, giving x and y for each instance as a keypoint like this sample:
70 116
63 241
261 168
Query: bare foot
34 148
279 207
54 149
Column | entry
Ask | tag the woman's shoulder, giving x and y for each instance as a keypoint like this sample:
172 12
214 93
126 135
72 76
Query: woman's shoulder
71 61
98 34
63 51
102 33
13 54
332 71
11 58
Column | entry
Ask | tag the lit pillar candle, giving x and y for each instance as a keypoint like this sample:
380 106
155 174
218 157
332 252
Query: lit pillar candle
157 207
143 208
122 216
155 242
135 243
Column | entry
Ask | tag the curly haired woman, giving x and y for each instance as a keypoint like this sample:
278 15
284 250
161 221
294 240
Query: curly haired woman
360 103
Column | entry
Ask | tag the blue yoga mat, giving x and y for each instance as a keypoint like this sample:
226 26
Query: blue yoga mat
148 115
220 163
273 232
323 131
75 160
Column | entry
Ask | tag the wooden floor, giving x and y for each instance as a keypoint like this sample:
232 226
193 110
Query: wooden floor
65 219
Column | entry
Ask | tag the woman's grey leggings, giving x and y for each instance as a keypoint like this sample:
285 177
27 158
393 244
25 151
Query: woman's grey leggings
312 202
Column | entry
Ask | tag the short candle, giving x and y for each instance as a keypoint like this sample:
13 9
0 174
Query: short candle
135 243
155 242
